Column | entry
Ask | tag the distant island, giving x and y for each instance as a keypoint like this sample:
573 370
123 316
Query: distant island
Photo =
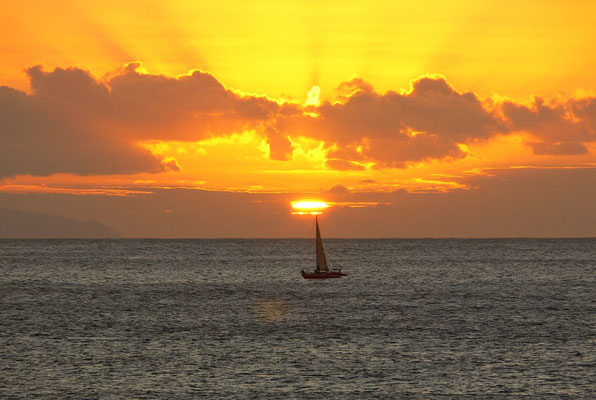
28 225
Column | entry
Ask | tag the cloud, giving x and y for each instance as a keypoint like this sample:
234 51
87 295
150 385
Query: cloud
170 164
75 123
433 106
42 138
432 119
569 148
562 128
520 202
354 86
343 165
339 189
393 129
585 109
145 106
280 146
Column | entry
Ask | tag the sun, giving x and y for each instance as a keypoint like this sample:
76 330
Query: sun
311 207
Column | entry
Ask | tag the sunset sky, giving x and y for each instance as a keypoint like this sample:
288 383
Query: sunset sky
207 119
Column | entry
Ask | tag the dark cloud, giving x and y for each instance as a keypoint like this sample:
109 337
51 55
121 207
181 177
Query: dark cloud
585 109
339 189
435 107
569 148
190 107
392 153
394 129
74 123
433 118
343 165
279 145
71 84
562 128
38 140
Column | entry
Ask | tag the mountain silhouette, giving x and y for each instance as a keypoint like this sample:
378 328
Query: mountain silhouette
28 225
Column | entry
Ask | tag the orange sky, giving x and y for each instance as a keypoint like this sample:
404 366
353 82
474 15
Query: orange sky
512 48
304 98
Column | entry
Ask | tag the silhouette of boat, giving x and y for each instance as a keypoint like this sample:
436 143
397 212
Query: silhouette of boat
322 271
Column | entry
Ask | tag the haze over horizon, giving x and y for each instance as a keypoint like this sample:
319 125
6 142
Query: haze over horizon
198 120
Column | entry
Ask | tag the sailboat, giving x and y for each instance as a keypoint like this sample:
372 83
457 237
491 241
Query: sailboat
322 271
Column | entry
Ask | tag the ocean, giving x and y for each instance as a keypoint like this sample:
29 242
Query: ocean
185 319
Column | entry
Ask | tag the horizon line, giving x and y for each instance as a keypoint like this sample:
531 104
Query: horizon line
304 237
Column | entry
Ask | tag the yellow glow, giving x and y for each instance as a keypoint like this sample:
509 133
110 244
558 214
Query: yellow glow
240 163
270 310
286 49
313 97
307 205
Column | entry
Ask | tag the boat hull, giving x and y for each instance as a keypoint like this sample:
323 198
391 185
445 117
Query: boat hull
322 275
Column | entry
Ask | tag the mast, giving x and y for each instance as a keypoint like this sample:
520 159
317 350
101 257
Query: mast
321 261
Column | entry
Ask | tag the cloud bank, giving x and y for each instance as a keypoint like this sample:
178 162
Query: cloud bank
73 122
530 202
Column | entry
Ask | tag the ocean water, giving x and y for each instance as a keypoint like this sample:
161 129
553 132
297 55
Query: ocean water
178 319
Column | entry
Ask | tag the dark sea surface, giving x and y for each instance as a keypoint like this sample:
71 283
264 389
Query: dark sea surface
234 319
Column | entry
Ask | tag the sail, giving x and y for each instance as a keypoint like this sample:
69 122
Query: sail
321 261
